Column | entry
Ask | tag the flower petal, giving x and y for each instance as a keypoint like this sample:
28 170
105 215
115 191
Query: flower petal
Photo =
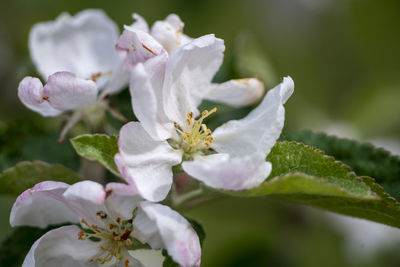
260 129
146 92
30 92
237 93
146 163
224 172
162 227
61 248
87 198
138 45
169 33
122 199
42 205
65 91
188 75
83 44
128 261
140 23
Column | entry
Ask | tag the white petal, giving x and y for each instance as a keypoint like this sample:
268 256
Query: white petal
119 78
161 227
65 91
223 172
128 261
122 199
169 33
42 205
83 44
61 248
140 23
189 72
237 93
30 92
260 129
87 198
146 163
146 92
139 46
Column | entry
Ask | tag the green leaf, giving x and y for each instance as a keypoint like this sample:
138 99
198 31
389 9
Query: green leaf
363 158
24 175
98 147
304 174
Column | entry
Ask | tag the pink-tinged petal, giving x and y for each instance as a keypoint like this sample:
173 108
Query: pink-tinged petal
61 248
138 45
223 172
65 91
162 227
259 130
122 199
30 92
83 44
237 93
43 205
188 75
146 163
169 33
87 198
146 92
140 23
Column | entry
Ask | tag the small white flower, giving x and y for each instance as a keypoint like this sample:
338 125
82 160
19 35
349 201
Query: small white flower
77 57
112 222
165 95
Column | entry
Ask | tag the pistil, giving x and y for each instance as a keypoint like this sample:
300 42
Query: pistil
115 237
195 136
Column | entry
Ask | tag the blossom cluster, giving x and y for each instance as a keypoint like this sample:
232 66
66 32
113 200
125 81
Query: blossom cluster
83 59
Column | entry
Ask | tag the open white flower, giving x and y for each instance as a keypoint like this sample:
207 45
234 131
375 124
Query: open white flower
165 96
112 222
77 57
166 41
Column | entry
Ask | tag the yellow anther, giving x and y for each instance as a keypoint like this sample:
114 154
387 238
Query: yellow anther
128 242
204 113
126 263
176 125
91 259
117 238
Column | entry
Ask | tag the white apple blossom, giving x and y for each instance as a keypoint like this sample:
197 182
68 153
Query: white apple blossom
165 40
112 222
77 57
165 96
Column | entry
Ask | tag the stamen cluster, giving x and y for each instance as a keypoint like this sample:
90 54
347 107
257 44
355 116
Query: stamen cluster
114 237
195 136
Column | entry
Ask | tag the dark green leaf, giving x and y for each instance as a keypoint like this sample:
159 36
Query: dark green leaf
24 175
304 174
363 158
98 147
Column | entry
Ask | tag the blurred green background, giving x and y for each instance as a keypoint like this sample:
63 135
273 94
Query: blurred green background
344 57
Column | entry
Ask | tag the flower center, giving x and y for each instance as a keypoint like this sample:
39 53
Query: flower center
194 136
114 237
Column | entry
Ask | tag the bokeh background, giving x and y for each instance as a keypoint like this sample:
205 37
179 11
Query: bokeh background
344 57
